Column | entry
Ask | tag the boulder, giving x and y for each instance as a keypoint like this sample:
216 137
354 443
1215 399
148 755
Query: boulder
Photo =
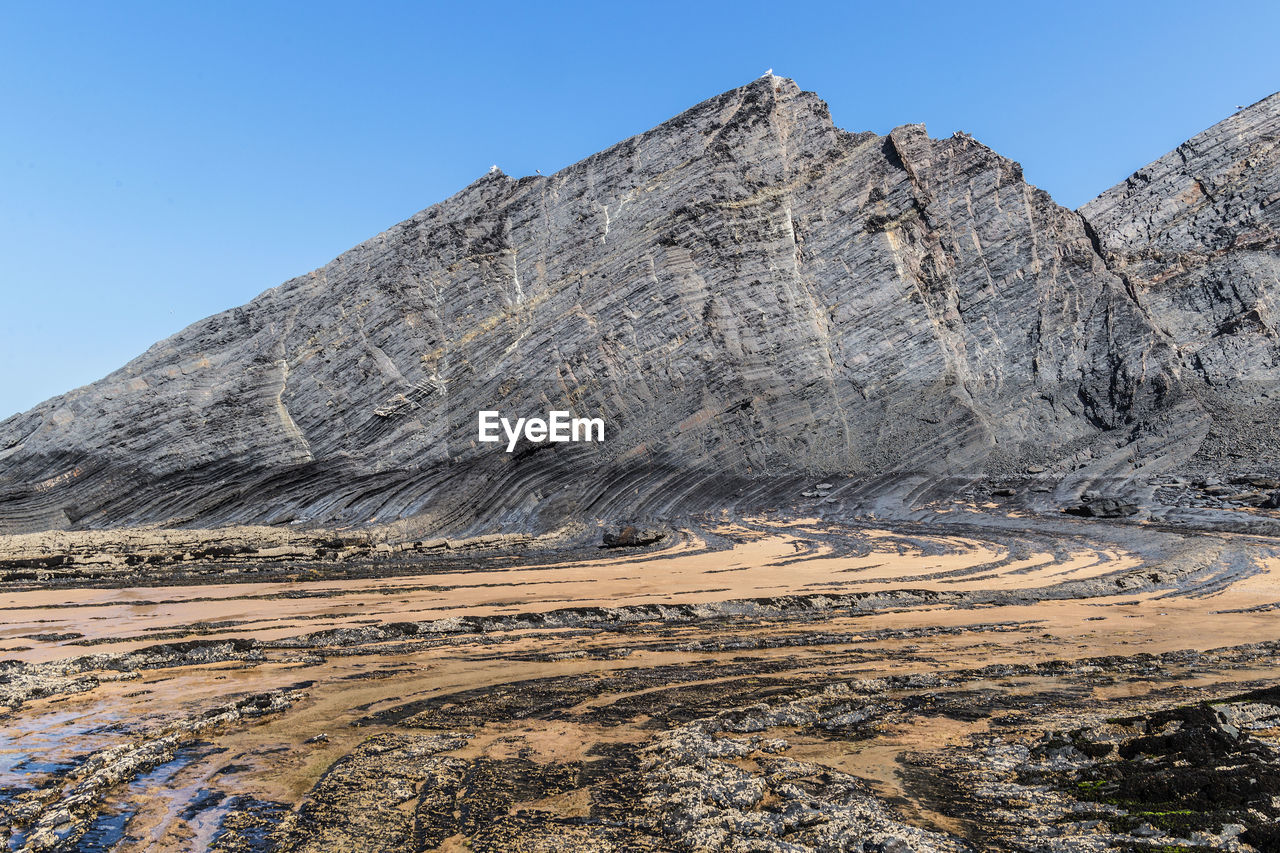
1105 507
630 536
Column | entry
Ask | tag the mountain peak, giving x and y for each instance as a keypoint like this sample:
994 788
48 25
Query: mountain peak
744 295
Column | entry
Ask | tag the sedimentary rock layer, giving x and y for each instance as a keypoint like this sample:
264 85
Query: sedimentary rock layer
1196 236
746 294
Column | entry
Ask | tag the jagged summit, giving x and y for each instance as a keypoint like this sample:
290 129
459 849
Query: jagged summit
746 294
767 98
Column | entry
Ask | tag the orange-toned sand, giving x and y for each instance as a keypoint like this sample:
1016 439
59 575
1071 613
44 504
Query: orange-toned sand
769 559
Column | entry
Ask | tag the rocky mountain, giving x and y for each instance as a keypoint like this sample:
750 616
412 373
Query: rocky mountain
749 297
1196 238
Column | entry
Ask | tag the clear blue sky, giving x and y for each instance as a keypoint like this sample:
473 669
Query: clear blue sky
160 162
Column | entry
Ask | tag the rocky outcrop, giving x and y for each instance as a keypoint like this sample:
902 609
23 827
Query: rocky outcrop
58 815
1098 506
628 536
747 295
1196 237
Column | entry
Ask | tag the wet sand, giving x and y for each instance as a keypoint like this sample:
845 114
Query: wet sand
562 662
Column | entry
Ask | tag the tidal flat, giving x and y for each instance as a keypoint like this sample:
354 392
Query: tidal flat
972 680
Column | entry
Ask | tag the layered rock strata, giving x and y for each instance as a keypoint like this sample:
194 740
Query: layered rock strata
746 294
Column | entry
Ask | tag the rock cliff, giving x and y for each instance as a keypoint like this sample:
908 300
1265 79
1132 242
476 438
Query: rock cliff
749 296
1196 237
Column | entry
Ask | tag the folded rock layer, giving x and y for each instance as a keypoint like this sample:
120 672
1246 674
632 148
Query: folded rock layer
1196 235
746 294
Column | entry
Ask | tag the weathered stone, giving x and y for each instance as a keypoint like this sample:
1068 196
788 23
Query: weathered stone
747 296
630 536
1196 237
1105 507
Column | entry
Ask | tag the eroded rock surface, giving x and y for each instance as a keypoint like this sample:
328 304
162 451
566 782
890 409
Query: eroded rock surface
746 294
1196 237
972 683
768 311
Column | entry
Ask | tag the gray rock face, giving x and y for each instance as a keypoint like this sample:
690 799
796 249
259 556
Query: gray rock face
1196 235
746 294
